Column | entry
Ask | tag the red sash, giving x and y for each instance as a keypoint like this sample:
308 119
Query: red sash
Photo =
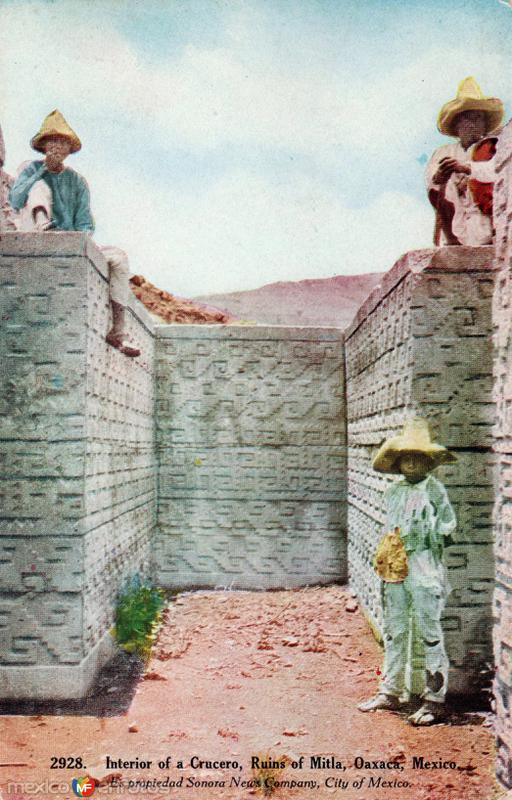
482 192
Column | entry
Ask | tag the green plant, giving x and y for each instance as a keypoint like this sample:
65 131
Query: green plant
138 614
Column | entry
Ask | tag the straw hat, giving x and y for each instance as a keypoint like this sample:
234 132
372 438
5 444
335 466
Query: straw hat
470 98
55 125
415 438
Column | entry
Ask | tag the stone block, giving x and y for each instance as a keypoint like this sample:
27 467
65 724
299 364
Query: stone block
40 565
40 628
266 473
249 544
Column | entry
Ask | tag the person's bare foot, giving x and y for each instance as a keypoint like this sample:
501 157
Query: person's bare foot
387 702
428 714
116 340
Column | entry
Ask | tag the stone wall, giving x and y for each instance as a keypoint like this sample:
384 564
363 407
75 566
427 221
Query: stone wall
251 444
77 463
251 460
502 315
421 345
120 459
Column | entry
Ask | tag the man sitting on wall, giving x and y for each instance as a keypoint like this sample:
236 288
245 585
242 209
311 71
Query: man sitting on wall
50 196
460 176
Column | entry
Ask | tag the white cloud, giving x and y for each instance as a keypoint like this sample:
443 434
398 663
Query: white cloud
245 231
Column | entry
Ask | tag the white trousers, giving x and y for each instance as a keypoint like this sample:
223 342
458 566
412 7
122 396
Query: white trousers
40 196
405 604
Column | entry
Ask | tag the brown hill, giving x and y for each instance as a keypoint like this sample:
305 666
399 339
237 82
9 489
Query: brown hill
165 307
319 301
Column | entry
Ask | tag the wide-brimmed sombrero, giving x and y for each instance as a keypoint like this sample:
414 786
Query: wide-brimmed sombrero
415 438
470 98
55 125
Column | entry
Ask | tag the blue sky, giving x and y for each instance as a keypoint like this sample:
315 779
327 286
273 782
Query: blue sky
231 143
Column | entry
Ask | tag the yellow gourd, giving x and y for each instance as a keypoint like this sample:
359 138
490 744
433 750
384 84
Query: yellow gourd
390 562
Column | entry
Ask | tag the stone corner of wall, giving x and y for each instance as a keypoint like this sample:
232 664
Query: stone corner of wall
65 245
50 244
249 332
504 148
462 259
412 261
435 259
141 313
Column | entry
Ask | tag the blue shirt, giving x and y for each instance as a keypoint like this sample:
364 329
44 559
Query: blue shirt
70 196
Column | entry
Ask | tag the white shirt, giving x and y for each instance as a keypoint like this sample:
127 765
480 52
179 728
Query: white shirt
425 516
470 225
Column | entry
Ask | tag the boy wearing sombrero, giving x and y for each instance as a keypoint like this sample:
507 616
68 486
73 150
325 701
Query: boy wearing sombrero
50 196
460 176
419 507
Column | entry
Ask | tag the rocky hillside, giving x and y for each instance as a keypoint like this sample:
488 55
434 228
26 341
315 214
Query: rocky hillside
165 307
320 301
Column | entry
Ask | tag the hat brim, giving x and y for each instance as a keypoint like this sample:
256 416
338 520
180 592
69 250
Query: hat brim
37 142
388 457
492 106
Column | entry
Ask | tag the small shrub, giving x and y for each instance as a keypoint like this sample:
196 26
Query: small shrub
138 615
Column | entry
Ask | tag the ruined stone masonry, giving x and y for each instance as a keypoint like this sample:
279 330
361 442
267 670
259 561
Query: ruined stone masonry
218 458
77 464
502 316
238 433
421 345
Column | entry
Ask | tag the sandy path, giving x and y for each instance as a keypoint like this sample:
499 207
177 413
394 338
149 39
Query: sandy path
235 675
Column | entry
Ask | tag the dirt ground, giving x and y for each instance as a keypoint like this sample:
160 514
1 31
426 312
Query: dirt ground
237 675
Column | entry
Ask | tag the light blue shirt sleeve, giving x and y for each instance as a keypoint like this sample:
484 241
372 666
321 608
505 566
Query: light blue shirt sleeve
24 182
391 518
83 220
445 519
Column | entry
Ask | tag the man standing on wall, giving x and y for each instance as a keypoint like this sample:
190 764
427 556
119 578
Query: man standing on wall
460 176
50 196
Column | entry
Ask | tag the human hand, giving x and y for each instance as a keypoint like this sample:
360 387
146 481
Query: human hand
447 166
56 149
